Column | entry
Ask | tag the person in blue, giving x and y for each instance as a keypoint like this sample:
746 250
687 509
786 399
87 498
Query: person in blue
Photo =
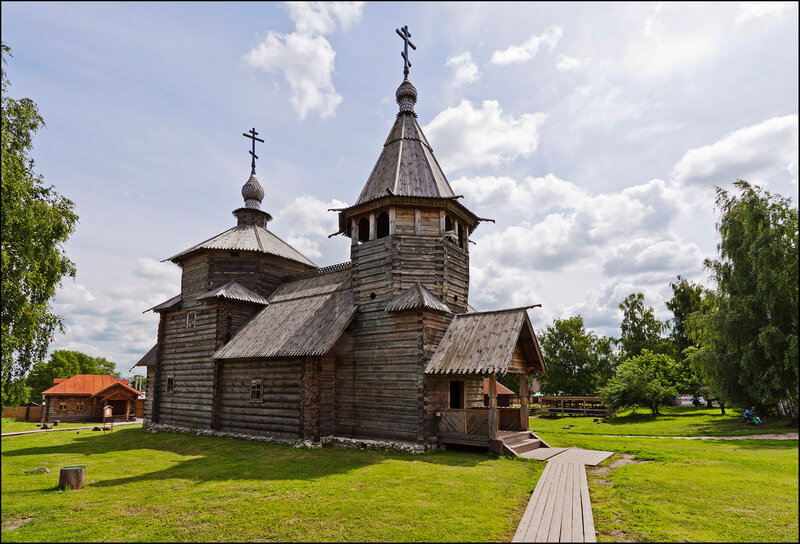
750 416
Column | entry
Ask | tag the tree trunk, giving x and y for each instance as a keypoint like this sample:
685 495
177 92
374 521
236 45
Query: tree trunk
72 478
708 403
722 407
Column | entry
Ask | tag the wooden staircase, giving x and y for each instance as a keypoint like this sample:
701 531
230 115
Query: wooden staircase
521 443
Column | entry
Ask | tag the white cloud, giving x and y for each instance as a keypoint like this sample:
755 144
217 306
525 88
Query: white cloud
528 50
751 11
464 136
754 153
566 64
464 69
307 224
110 323
305 57
670 256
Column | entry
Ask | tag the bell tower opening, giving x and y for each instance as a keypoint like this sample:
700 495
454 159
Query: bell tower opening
383 225
363 230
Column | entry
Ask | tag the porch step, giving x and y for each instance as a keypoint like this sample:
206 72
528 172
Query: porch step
519 443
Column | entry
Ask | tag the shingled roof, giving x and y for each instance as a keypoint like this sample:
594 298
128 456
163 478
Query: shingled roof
406 166
483 343
148 359
87 385
303 317
414 297
234 291
247 238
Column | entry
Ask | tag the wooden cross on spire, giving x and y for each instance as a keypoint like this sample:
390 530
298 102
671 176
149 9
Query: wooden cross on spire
252 135
405 34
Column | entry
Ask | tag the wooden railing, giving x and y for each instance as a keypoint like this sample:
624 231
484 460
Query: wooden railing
472 425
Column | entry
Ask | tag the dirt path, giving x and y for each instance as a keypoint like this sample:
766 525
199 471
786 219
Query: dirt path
70 428
782 436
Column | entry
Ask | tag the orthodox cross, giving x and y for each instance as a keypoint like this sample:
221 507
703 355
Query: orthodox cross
405 34
252 135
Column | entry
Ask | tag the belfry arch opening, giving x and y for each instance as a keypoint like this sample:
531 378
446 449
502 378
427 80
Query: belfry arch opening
363 230
383 225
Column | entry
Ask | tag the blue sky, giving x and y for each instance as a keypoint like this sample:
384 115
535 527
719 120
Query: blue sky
593 133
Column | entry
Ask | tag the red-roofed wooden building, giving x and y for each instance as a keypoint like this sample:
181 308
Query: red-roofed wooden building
83 396
504 394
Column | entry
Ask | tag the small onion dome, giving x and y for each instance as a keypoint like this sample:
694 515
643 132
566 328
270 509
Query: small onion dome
252 192
406 96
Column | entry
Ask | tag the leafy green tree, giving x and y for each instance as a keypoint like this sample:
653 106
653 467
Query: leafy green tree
750 333
640 328
36 221
578 361
686 299
647 379
139 382
65 364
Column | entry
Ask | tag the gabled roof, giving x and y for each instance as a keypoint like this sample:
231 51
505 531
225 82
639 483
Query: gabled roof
406 166
86 384
247 238
483 343
304 317
501 389
234 291
416 296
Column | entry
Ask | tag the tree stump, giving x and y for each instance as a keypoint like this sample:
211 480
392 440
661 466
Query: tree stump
72 478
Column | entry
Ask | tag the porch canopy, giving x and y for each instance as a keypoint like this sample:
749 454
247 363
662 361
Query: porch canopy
488 344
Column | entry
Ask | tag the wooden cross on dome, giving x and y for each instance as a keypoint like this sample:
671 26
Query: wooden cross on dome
405 34
252 135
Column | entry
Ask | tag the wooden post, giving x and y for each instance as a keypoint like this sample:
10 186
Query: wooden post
372 230
127 409
523 395
72 478
353 232
441 221
492 406
417 222
391 220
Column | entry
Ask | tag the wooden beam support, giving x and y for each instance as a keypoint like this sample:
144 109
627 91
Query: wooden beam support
441 221
523 399
373 231
391 220
353 232
417 221
492 406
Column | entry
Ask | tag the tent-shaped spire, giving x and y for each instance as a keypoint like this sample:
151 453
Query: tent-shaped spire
406 166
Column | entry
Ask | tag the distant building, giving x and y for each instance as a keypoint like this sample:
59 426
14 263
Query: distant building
504 394
83 397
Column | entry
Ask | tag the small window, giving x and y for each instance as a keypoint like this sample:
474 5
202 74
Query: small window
79 405
363 230
191 319
62 406
170 385
255 390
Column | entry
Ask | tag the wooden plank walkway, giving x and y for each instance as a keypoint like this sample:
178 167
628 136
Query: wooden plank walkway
559 509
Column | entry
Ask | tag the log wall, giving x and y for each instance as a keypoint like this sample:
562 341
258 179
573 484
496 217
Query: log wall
278 414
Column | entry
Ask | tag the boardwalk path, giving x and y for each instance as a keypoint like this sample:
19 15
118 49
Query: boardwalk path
773 436
559 509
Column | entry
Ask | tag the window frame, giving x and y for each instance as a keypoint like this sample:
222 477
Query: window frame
191 320
170 384
257 386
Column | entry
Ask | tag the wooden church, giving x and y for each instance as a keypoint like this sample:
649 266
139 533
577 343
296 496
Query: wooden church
385 346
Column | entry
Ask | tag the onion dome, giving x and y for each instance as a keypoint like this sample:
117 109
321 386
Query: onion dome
252 192
406 96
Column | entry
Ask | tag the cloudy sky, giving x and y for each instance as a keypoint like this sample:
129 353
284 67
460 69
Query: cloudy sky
593 133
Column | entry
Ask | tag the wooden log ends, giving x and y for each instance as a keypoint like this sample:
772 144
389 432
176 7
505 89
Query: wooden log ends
72 478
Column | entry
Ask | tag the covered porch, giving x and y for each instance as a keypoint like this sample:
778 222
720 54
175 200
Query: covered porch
486 344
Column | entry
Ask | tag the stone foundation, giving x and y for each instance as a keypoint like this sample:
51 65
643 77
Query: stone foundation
338 441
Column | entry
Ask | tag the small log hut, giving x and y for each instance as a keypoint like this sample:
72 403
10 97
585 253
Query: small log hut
384 346
83 396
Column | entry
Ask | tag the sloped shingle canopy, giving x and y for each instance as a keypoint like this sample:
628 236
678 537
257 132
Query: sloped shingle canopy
406 166
247 238
414 297
173 302
234 291
484 342
304 317
148 359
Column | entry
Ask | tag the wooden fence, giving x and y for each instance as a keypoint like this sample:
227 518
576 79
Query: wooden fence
30 413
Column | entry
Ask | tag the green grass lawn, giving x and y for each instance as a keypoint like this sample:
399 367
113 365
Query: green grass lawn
11 425
674 421
162 487
694 490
